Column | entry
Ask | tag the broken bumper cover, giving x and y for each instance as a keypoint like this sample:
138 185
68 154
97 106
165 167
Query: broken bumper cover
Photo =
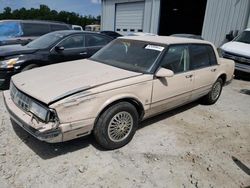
62 132
23 120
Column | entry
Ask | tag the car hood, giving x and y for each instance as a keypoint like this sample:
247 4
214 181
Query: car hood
239 48
11 50
52 83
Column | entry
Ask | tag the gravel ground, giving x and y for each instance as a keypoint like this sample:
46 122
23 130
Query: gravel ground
192 146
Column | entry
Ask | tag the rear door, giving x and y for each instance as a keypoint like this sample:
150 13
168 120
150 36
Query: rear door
205 67
170 92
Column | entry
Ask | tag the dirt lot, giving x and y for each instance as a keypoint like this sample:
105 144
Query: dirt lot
193 146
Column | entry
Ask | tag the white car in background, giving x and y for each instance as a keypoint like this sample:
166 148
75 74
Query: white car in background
239 51
77 27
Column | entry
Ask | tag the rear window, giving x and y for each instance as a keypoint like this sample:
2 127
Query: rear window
10 29
35 29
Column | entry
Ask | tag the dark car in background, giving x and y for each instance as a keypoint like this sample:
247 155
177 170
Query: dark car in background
24 31
112 34
54 47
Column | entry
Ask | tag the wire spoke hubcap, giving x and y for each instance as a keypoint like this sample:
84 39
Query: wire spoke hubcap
120 126
216 90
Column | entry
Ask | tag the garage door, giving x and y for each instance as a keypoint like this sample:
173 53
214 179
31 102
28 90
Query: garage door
129 17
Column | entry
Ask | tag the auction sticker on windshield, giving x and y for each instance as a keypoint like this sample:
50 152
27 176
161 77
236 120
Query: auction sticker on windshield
154 47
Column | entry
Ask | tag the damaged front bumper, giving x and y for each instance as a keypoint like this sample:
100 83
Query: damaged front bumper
25 121
51 132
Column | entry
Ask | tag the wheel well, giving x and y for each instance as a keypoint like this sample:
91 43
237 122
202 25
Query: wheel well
224 78
134 102
25 64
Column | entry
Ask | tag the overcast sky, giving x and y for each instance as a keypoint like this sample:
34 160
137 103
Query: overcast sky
83 7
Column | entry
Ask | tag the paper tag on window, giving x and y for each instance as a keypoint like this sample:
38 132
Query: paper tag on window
153 47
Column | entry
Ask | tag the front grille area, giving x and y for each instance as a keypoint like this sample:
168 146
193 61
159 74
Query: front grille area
237 58
19 98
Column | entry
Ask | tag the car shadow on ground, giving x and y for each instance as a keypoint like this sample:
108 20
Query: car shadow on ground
48 151
242 76
242 166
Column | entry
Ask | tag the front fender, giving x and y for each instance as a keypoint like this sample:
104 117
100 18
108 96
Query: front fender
120 97
88 105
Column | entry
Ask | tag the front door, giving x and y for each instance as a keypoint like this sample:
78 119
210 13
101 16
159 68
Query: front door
73 48
173 91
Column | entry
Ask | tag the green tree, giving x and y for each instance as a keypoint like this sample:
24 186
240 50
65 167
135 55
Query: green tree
45 13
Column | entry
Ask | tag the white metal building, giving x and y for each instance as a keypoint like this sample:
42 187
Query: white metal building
212 19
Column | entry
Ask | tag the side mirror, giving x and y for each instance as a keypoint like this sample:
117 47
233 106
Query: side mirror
230 36
162 73
59 48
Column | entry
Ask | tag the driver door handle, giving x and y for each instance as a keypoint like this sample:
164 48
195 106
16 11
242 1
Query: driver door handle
213 70
189 76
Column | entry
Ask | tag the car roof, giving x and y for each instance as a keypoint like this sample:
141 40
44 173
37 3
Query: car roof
166 39
69 32
35 21
187 35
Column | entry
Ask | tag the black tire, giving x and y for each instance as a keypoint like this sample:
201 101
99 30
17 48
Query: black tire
210 97
102 132
28 67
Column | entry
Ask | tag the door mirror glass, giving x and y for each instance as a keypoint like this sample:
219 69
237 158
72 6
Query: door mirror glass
162 73
59 48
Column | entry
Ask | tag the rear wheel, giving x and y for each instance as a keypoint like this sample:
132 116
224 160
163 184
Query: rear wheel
116 126
214 94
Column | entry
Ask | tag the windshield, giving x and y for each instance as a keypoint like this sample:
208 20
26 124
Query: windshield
45 41
10 29
243 37
130 55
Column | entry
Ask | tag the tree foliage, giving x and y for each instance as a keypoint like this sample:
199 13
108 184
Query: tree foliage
45 13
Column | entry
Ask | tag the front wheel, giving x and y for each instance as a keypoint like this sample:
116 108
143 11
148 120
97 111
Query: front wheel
214 94
28 67
116 126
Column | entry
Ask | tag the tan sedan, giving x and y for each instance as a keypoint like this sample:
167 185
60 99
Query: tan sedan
130 79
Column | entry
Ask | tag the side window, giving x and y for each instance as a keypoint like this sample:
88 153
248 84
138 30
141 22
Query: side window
96 40
56 27
176 59
33 29
202 56
76 41
212 57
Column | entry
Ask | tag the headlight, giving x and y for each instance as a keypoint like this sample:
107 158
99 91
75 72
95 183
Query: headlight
9 63
39 111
